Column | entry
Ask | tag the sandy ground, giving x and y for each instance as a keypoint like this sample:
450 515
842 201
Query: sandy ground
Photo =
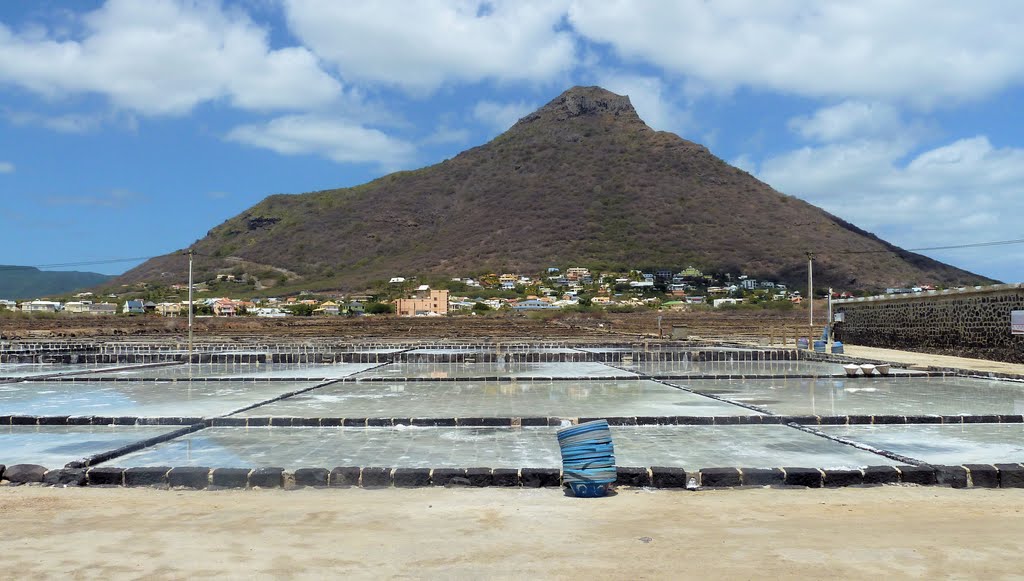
932 360
488 533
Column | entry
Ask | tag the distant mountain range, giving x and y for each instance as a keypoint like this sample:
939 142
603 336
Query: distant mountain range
582 181
26 282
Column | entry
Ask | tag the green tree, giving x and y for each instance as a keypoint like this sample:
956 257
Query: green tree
379 308
300 310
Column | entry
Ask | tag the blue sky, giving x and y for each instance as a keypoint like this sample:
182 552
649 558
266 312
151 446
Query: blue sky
129 128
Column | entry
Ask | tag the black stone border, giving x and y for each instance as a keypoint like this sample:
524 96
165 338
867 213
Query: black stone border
671 477
133 447
555 421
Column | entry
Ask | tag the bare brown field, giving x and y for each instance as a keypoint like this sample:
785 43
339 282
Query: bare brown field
747 325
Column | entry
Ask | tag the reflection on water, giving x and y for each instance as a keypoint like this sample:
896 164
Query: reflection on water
457 399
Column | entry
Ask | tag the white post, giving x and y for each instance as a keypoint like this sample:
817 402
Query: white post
190 306
810 285
829 323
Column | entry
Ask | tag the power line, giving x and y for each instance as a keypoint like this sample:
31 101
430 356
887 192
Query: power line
951 247
975 245
82 263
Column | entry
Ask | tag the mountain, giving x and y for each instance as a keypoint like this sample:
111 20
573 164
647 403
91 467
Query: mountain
581 181
26 282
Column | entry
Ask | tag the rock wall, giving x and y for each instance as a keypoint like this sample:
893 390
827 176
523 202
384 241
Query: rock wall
973 322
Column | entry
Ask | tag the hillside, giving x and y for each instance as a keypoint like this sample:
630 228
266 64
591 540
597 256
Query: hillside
581 181
26 282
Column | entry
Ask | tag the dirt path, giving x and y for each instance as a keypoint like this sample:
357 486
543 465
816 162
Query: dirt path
932 360
486 533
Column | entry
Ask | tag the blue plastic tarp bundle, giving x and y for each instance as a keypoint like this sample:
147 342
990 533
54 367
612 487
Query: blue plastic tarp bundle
588 457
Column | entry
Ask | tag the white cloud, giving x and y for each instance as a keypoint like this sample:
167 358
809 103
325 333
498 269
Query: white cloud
920 51
6 167
113 199
849 119
445 135
501 116
79 123
650 98
337 139
164 57
825 172
422 45
963 192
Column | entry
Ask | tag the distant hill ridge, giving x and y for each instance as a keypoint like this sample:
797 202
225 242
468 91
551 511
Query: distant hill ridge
581 181
27 282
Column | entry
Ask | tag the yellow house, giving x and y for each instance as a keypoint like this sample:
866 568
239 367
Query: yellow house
327 308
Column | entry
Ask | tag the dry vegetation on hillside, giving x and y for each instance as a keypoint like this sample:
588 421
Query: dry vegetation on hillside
582 181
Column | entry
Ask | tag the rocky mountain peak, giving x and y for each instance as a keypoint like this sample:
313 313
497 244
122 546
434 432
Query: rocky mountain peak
585 103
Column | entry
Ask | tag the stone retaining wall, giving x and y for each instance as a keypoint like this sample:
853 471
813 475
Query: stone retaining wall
81 353
972 322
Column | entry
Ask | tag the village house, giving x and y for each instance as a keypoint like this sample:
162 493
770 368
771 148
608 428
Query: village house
134 307
533 305
103 309
171 309
690 272
40 306
329 308
224 308
269 312
577 273
460 304
719 302
90 308
77 306
425 302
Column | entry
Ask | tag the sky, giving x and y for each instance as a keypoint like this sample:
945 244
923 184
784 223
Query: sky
129 128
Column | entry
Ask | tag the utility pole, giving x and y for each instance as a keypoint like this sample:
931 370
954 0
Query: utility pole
829 322
190 253
810 284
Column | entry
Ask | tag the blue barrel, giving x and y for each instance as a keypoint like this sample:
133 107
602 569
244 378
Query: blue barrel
801 343
588 458
819 346
837 347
